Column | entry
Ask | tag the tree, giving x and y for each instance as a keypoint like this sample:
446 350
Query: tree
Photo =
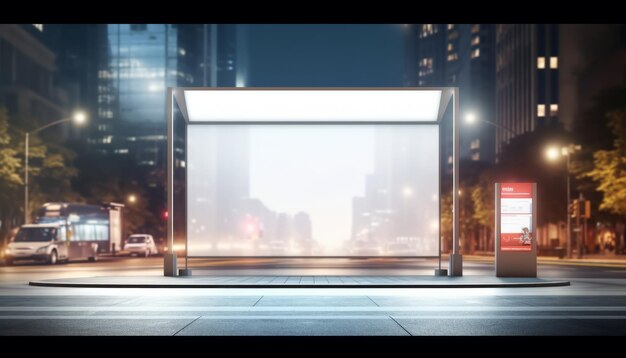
52 175
50 170
592 131
10 179
609 167
484 213
522 160
136 216
446 221
105 178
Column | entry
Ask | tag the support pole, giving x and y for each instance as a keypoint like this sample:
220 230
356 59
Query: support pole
456 259
26 216
169 264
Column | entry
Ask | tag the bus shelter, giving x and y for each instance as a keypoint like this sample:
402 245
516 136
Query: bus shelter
308 172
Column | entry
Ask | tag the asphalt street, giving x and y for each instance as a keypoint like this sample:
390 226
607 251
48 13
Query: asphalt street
595 303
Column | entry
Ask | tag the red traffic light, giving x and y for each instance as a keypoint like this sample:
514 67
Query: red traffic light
165 215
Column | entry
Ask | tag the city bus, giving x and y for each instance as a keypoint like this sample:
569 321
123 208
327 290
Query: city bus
68 231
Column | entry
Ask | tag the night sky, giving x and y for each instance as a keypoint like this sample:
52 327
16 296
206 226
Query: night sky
325 55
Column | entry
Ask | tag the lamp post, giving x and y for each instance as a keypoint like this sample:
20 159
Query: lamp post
78 118
553 153
471 119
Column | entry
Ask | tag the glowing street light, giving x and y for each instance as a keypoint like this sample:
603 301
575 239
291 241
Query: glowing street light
78 118
132 198
471 118
553 153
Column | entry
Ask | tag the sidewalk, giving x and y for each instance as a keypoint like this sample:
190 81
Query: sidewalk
309 281
618 261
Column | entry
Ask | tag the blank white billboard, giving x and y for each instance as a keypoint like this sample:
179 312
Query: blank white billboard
312 189
312 105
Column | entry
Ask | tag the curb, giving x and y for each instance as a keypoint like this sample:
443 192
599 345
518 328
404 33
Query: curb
201 285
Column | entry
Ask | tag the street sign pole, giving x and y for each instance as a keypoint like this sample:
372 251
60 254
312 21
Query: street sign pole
579 245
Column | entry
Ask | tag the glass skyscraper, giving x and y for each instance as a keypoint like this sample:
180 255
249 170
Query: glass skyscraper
141 61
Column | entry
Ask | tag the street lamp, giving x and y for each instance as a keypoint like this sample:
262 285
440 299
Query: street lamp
78 118
471 118
132 198
553 153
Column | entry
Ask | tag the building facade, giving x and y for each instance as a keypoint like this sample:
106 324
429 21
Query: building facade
527 79
27 71
459 55
593 59
139 63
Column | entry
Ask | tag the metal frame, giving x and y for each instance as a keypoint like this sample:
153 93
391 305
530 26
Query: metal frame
447 93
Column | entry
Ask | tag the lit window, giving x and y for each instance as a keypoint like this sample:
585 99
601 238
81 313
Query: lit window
554 62
425 66
453 35
475 40
475 144
554 110
541 110
449 159
450 26
475 53
475 157
453 57
541 63
182 51
475 28
39 27
450 47
427 30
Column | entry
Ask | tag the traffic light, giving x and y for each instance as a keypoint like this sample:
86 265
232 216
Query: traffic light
165 215
574 209
587 209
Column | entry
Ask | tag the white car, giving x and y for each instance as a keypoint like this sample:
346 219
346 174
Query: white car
43 242
140 244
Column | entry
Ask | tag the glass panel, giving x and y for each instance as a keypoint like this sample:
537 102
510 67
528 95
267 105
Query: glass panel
32 234
302 190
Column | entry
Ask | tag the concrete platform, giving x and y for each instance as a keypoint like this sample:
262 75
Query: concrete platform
298 282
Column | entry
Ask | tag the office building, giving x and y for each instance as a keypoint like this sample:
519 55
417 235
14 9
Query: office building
593 59
27 85
458 55
527 79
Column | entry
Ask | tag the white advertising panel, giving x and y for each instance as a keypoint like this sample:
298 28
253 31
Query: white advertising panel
313 190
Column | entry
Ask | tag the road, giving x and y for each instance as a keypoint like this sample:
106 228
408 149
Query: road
595 303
